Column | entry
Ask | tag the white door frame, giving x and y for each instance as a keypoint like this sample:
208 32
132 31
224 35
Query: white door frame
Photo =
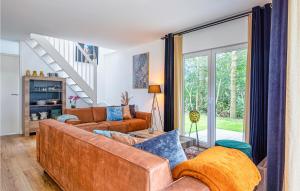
195 54
211 114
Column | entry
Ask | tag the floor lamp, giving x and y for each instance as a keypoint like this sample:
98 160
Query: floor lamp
155 89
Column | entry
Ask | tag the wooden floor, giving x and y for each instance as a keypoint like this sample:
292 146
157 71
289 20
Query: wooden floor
19 169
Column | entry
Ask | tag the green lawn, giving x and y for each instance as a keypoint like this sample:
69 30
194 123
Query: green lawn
221 123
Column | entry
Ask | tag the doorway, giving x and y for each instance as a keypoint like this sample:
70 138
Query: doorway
214 85
10 98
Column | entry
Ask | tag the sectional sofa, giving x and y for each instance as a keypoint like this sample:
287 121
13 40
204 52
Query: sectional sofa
80 160
95 118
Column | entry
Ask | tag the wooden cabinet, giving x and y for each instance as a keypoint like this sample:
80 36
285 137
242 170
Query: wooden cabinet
43 97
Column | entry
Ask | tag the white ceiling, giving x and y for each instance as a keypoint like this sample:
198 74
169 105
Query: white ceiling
112 23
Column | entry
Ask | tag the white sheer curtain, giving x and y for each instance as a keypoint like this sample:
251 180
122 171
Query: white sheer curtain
292 145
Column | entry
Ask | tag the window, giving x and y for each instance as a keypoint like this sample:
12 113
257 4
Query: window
214 85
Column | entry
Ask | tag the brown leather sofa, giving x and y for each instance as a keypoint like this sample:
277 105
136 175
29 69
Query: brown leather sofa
95 118
80 160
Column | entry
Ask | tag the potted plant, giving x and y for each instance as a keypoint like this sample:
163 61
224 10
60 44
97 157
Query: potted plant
73 100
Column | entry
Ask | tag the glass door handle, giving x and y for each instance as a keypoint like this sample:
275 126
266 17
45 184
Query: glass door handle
14 94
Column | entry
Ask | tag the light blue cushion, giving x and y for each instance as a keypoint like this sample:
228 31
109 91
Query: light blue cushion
114 113
103 132
65 117
166 145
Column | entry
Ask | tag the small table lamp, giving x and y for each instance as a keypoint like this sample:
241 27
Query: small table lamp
155 89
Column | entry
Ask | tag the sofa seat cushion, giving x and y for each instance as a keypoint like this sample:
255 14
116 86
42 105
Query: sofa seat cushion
92 126
136 124
99 114
120 126
85 115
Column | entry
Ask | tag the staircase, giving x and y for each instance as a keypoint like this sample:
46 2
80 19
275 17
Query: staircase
65 58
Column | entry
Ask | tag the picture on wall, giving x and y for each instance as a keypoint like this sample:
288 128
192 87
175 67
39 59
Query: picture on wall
141 71
90 50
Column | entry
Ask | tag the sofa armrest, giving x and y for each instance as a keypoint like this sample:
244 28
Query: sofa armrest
145 116
187 184
73 121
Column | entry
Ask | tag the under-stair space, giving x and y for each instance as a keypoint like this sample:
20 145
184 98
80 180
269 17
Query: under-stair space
71 62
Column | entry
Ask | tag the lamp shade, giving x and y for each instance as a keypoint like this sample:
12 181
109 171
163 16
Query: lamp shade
154 89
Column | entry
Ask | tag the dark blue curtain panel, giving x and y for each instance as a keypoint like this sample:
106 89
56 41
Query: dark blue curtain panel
277 89
169 84
261 25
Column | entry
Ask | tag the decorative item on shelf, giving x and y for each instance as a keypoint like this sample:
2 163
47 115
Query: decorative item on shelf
34 117
52 101
52 75
42 74
55 113
73 100
155 89
27 73
125 98
34 73
194 118
41 102
43 115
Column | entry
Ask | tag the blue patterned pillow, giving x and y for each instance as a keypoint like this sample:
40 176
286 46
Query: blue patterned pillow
114 113
166 145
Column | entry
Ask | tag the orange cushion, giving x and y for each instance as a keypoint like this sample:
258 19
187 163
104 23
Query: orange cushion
99 114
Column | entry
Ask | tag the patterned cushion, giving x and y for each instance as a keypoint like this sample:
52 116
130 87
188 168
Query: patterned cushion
132 111
114 113
125 138
166 145
126 112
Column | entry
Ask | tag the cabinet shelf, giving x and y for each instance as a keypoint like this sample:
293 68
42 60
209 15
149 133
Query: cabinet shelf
49 105
42 88
51 91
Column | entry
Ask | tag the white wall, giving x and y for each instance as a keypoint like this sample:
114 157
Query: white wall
30 61
230 33
9 47
116 75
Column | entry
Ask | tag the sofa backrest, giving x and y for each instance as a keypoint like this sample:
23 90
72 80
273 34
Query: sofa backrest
80 160
85 115
99 114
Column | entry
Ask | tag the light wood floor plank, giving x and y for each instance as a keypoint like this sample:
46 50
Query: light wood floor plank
19 169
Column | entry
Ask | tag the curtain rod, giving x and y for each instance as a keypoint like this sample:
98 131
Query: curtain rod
217 22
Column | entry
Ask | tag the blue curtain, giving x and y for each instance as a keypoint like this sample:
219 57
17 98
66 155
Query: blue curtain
261 25
277 88
169 84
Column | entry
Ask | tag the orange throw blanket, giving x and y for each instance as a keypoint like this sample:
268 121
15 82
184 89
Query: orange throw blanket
221 169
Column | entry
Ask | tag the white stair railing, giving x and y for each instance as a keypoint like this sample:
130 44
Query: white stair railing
70 61
77 58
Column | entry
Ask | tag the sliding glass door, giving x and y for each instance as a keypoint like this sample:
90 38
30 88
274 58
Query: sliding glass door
196 94
214 86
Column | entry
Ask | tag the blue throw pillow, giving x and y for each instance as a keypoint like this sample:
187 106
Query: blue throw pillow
114 113
166 145
103 132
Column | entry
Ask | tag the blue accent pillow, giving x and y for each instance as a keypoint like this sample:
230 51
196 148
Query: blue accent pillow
114 113
103 132
166 145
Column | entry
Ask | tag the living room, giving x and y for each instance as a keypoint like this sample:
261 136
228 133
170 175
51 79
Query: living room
143 95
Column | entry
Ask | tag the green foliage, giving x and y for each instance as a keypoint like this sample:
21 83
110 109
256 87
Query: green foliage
221 123
196 83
